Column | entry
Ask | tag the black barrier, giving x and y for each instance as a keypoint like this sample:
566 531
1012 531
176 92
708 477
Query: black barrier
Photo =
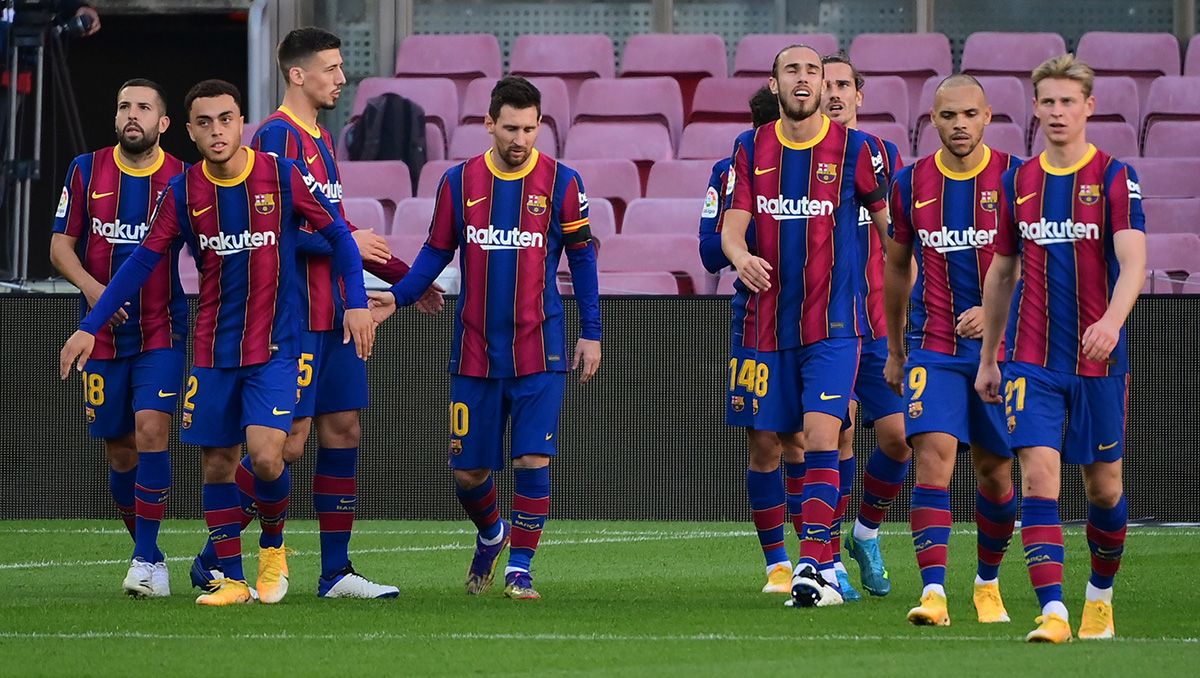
645 441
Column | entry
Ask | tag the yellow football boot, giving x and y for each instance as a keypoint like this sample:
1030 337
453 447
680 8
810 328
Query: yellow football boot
225 592
1097 623
988 604
931 612
779 579
1051 629
272 582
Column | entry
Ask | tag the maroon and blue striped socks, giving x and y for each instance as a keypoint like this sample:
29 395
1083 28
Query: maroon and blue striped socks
930 522
335 496
768 507
531 505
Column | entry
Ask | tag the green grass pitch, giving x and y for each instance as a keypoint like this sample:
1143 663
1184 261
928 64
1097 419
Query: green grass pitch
629 598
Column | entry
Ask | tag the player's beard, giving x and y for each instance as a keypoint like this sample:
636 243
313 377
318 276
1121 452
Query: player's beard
135 147
510 157
798 111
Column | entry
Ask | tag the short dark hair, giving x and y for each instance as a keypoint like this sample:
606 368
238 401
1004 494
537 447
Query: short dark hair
764 107
302 43
798 45
841 58
145 82
211 88
514 91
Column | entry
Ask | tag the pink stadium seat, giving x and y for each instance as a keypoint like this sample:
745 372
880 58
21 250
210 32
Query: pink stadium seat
1172 255
472 139
756 52
1005 95
1167 177
725 284
248 131
882 96
366 213
638 283
555 103
188 275
574 58
601 220
913 56
462 58
407 246
1172 97
437 96
1117 139
643 253
664 216
679 179
1174 138
1002 136
614 179
686 57
386 180
435 142
1192 65
1142 56
890 131
1172 215
654 99
413 217
641 142
1015 54
431 175
709 140
724 100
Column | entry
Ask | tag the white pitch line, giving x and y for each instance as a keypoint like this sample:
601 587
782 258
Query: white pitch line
555 637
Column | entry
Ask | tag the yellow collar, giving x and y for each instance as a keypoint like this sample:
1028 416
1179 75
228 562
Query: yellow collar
135 172
1064 171
509 176
314 131
802 145
963 176
236 180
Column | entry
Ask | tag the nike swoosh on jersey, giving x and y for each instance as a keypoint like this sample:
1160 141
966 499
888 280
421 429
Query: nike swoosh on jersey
1026 198
196 213
758 171
278 412
476 201
922 203
97 196
309 161
163 394
826 396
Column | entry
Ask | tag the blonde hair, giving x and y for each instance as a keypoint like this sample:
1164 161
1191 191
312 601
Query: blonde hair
1066 67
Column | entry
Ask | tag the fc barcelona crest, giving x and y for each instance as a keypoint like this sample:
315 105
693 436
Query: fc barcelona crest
91 415
187 420
827 172
1089 194
754 405
915 409
264 203
988 200
1012 423
737 402
536 204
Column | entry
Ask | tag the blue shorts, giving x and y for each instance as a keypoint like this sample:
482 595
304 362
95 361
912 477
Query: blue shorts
818 377
739 402
115 389
332 377
220 402
1037 399
941 397
480 410
876 399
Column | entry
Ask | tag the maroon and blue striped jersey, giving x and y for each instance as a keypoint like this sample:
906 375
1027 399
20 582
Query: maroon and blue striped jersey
283 135
804 199
949 219
1061 222
510 229
107 206
242 233
886 161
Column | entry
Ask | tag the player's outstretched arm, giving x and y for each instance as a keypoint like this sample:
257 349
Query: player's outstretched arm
65 259
581 259
897 286
998 288
1101 337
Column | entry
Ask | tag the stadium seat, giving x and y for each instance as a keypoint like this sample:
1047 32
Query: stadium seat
665 216
436 96
913 56
248 131
1172 97
413 217
556 106
756 52
638 283
435 142
671 253
1116 100
1172 215
881 94
641 142
1172 255
1015 54
709 140
574 58
1192 65
366 214
725 283
462 58
614 179
472 139
679 179
890 131
654 99
1173 138
1005 95
1002 136
431 174
601 220
724 100
388 181
686 57
1142 56
1117 139
1167 177
189 276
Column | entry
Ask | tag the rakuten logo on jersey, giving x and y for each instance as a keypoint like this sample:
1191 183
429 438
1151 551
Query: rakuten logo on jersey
947 240
793 208
1045 232
864 217
332 190
492 238
224 244
118 232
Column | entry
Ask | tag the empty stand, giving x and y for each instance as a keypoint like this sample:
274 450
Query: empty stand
756 52
885 99
1015 54
915 57
1167 177
573 58
388 181
663 216
1117 139
615 179
655 99
1173 138
647 253
724 100
366 214
1172 97
1142 56
679 179
462 58
412 218
686 57
709 140
1172 215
